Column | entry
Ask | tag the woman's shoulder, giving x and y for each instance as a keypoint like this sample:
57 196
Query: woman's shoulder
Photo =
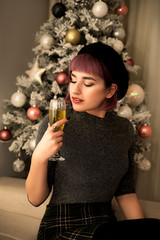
122 122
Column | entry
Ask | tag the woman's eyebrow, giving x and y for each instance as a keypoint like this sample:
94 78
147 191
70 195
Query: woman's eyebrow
73 75
85 77
89 78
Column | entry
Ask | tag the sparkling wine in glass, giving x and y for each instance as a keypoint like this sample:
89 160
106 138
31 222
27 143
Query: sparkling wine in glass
57 111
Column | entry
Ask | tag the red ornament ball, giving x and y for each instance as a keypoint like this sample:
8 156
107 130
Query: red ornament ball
122 10
62 78
145 131
130 62
33 113
5 134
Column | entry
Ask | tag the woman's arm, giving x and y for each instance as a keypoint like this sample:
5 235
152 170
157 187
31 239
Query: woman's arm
130 206
36 184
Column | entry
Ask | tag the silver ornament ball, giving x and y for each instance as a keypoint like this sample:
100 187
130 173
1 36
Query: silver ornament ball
46 41
32 144
18 99
144 165
125 112
118 46
119 33
142 108
18 165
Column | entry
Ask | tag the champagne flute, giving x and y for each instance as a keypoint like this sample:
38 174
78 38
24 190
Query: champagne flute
57 111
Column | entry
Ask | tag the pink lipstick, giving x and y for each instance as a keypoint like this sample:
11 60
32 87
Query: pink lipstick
76 100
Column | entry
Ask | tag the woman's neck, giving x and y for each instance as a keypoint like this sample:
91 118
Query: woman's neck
100 113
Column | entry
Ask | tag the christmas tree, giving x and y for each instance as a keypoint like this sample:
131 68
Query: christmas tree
73 24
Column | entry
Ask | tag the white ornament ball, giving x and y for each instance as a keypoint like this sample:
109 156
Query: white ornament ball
46 41
32 144
144 165
118 46
125 112
135 94
100 9
119 33
18 165
18 99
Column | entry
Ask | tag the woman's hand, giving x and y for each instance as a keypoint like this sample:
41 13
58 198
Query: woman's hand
50 143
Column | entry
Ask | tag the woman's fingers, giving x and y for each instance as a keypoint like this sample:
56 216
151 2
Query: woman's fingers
52 140
57 134
59 123
59 139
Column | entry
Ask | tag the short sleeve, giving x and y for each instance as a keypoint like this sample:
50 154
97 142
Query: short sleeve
127 183
51 165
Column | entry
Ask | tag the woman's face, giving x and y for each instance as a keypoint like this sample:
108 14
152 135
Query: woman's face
88 93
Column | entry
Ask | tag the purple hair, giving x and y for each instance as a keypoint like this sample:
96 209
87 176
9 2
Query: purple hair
88 64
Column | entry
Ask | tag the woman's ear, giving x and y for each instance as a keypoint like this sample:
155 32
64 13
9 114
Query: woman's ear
111 91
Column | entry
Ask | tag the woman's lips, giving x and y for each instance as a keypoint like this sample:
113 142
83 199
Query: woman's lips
77 100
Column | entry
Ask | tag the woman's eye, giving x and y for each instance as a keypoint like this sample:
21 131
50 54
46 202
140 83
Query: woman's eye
89 84
73 81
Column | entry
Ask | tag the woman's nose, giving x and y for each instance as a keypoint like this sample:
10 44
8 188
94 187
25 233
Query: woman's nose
76 88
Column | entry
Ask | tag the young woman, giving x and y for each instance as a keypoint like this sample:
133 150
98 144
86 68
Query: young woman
98 147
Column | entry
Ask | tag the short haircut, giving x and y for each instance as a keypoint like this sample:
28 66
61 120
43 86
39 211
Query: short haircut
89 64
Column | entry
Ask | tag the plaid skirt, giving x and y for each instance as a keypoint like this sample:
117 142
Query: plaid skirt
77 221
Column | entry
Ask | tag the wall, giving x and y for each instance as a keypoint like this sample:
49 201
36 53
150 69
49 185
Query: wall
144 47
19 22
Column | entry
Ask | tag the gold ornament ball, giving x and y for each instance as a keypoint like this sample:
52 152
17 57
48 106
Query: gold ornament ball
73 36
